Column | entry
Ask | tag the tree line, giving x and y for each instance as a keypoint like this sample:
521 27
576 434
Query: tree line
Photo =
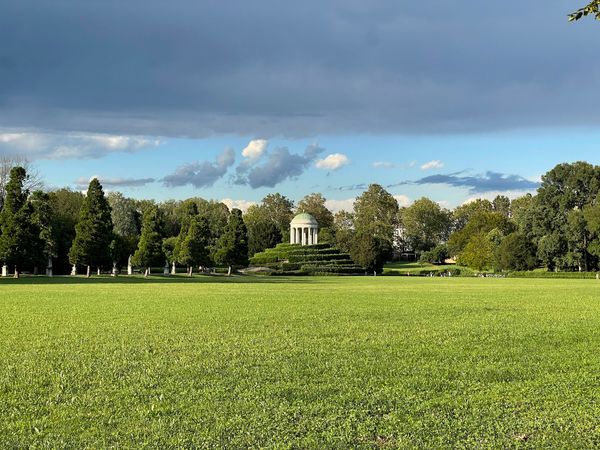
557 228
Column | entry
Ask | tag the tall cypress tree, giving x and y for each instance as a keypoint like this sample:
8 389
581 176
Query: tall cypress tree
94 231
193 250
190 212
233 243
149 251
20 241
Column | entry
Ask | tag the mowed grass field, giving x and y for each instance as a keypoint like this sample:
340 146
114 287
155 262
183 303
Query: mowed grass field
300 363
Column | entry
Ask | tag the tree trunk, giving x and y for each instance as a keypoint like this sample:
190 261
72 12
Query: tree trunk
89 272
229 271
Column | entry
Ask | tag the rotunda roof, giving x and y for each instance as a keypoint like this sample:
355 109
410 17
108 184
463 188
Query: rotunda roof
305 219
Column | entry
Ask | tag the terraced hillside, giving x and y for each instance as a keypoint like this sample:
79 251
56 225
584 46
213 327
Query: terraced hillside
319 259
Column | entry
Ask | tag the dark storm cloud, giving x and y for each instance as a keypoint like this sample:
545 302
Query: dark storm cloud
201 173
478 184
195 68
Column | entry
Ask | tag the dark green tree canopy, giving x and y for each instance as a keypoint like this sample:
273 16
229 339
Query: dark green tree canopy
516 252
94 231
193 250
20 241
233 243
263 231
150 251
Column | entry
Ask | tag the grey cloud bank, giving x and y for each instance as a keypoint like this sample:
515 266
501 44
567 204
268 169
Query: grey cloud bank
479 184
201 174
198 68
115 182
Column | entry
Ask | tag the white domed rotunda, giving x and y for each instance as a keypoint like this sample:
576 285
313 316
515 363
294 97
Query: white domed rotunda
304 230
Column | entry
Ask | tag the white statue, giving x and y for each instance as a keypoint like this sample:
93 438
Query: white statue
49 267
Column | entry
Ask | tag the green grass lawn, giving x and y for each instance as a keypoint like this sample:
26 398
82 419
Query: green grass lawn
300 363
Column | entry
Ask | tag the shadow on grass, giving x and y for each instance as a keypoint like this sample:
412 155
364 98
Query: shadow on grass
153 279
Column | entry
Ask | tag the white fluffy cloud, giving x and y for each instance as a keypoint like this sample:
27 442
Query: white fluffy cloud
333 161
435 164
340 205
403 200
36 145
255 149
493 194
242 205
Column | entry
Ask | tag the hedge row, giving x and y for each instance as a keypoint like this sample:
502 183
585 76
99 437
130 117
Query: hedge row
262 259
338 263
333 270
566 275
429 272
320 257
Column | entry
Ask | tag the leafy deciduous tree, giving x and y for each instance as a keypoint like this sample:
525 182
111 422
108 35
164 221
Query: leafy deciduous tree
263 232
592 8
424 225
343 230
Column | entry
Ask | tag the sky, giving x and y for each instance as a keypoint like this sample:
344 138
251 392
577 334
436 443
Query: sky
451 100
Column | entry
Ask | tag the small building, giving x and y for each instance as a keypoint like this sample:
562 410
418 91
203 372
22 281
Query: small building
304 230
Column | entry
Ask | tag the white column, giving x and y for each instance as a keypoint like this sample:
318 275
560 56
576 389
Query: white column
316 236
304 236
296 236
312 236
291 235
